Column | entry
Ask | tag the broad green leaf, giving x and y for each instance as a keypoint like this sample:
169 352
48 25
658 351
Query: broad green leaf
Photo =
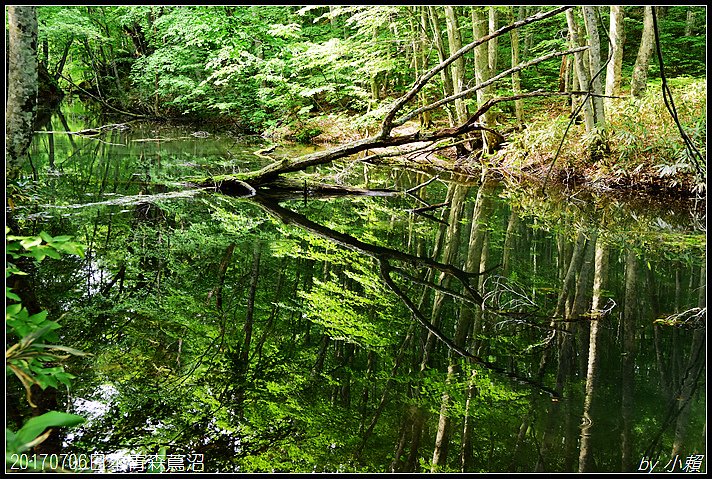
31 242
36 425
13 310
10 295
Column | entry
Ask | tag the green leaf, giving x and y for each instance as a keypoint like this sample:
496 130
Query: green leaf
46 237
38 318
38 254
10 295
60 239
13 310
51 252
70 248
31 242
36 425
38 333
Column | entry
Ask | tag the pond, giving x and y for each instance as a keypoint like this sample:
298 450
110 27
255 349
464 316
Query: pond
457 324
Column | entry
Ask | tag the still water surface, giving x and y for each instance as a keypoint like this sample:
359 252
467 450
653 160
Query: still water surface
263 334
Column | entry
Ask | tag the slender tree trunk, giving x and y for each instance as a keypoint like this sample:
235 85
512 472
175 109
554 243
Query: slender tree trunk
583 284
690 23
483 72
613 70
695 364
442 56
65 54
21 100
580 69
477 235
476 262
639 78
386 390
510 242
374 80
529 34
570 278
600 284
516 86
493 45
426 121
594 55
250 310
451 246
458 66
222 270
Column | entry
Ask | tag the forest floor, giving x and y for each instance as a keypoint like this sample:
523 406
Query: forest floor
639 159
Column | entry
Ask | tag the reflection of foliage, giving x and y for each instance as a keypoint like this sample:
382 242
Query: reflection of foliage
329 342
659 228
344 314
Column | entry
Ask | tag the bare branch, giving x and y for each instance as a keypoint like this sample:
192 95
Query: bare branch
388 124
468 92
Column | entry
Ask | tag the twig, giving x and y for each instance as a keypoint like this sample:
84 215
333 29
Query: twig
428 208
416 188
691 148
451 98
578 110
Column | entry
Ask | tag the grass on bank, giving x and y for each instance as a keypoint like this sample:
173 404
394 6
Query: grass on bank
642 144
642 147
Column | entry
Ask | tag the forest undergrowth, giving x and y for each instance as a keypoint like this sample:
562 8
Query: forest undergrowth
639 150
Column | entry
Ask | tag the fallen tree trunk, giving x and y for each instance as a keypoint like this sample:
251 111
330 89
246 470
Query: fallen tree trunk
269 174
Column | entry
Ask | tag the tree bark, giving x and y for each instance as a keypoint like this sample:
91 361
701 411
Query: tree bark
420 49
440 48
580 69
639 78
458 66
516 86
483 72
594 54
21 100
616 34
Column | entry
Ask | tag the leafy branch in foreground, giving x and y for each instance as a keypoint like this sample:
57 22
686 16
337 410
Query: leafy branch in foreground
30 358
